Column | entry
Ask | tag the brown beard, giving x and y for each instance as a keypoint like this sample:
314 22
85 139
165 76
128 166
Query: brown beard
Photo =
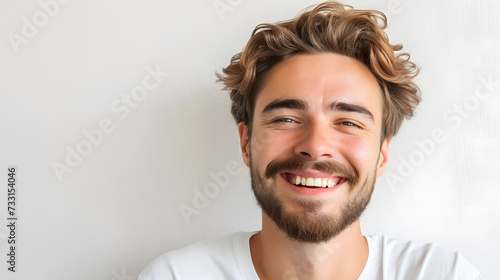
308 226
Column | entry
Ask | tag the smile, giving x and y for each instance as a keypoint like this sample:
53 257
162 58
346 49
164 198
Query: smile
311 182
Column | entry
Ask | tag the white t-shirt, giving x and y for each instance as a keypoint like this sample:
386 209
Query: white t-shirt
229 258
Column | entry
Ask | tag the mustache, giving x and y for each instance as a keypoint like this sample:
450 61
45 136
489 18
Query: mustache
329 167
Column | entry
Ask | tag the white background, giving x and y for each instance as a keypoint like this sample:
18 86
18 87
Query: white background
118 208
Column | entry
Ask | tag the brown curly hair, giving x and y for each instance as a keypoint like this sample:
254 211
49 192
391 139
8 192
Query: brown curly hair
329 27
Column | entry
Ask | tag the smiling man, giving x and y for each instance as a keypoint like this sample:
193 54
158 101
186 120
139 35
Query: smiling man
317 100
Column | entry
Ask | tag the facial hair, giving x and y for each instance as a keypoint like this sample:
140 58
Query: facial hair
307 226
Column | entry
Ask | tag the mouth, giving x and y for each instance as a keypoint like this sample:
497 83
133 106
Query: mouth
309 181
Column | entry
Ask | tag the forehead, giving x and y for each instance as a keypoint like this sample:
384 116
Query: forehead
320 79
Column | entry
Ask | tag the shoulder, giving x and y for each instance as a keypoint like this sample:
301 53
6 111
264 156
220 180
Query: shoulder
212 259
417 260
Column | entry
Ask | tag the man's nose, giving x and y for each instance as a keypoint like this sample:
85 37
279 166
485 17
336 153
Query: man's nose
316 142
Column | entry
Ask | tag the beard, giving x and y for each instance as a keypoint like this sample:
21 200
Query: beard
308 226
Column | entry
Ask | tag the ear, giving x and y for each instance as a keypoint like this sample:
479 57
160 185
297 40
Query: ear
244 142
383 157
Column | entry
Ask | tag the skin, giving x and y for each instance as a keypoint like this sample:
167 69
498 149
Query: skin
315 133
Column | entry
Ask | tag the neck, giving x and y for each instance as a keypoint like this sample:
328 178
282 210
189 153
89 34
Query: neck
276 256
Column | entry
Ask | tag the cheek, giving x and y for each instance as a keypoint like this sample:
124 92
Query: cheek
359 152
266 147
259 149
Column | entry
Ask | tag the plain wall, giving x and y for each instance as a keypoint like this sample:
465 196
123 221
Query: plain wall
71 68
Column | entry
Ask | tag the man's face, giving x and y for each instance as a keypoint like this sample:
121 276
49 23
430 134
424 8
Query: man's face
315 146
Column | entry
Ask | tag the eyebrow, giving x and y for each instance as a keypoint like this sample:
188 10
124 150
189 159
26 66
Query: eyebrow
298 104
349 107
285 104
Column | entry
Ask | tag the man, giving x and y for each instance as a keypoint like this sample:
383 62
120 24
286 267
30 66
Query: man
317 100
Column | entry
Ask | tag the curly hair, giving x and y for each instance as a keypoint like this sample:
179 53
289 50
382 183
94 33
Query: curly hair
329 27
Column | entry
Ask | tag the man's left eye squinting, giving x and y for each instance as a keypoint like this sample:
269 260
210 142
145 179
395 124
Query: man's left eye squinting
346 123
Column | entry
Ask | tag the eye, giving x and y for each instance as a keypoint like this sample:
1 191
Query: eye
284 120
348 123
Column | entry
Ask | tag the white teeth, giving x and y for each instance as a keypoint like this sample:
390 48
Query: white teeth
313 182
310 182
325 183
317 182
